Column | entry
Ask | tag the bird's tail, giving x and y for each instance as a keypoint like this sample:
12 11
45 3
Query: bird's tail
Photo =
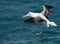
51 23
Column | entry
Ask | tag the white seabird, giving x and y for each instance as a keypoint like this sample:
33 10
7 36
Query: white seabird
39 17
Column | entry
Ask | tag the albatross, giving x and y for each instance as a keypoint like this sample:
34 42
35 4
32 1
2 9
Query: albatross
41 17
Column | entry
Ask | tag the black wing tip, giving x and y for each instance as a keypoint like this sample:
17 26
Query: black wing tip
48 6
30 20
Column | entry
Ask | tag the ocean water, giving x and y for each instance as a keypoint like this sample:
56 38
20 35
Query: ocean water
13 29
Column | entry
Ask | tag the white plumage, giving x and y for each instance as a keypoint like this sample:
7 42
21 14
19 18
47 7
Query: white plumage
42 16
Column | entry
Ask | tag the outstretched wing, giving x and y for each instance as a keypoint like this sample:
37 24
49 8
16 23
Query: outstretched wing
33 20
47 12
38 19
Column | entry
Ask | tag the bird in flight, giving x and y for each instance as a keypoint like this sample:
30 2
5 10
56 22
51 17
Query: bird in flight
41 17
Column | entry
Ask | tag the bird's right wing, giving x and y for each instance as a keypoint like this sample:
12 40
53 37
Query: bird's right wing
47 12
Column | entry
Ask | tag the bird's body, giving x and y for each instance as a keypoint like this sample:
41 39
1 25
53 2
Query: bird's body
39 17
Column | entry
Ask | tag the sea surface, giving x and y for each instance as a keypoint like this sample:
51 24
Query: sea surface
13 29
